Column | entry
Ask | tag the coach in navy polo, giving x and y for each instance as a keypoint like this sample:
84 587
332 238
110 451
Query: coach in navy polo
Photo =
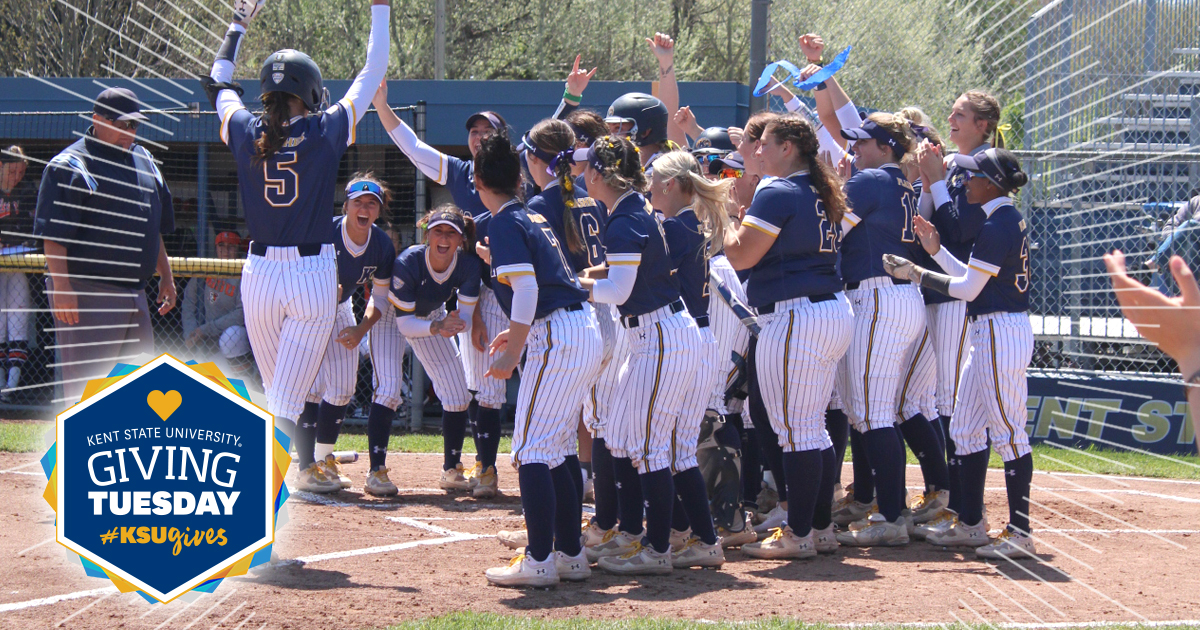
102 209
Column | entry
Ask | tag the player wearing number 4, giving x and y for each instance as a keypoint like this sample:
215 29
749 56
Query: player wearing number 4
553 326
995 283
287 162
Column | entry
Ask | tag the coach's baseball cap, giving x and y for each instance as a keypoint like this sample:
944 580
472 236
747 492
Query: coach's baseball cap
993 165
229 238
443 217
12 154
494 119
871 131
118 104
362 187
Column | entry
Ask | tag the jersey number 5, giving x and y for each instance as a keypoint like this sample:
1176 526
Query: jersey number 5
281 182
1022 279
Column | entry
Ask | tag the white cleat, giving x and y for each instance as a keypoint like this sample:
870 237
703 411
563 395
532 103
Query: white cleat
453 479
313 479
592 535
680 538
614 543
825 540
525 571
695 553
1009 544
330 467
929 505
486 484
848 510
878 533
940 523
782 544
774 520
572 568
514 539
638 560
379 485
961 535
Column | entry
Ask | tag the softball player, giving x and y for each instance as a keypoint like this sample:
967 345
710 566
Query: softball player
423 278
788 240
888 313
17 201
287 161
695 224
995 283
553 326
458 176
663 346
365 257
973 122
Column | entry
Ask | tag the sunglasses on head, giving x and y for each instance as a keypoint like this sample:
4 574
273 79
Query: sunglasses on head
365 186
732 173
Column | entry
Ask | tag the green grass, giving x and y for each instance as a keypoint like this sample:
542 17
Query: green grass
489 621
23 437
410 443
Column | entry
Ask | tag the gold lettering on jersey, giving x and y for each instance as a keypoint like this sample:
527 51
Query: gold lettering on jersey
293 142
904 184
536 218
1021 225
585 202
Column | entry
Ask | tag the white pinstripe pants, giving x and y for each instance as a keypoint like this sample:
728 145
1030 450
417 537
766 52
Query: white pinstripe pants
603 398
731 336
490 392
653 386
562 356
439 356
14 287
686 437
338 375
289 302
387 347
994 389
797 360
934 374
887 318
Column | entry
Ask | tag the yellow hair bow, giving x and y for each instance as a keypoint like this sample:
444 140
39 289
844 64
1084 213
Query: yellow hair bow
1001 130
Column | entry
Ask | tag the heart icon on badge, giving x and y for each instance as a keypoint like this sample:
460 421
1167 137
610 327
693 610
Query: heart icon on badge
164 404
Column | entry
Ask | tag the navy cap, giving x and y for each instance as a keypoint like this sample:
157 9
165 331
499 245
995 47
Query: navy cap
733 160
118 104
442 217
988 163
493 119
871 131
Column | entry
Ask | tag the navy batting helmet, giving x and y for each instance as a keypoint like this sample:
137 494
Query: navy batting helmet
295 73
647 113
715 138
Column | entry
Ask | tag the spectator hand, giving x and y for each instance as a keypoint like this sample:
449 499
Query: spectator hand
193 339
166 296
735 136
1173 324
809 70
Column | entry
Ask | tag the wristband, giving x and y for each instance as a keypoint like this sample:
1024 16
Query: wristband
571 98
821 86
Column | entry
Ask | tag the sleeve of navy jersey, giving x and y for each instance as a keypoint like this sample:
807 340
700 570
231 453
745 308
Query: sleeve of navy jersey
1002 251
336 127
406 278
863 191
526 245
884 226
803 260
634 237
460 180
467 272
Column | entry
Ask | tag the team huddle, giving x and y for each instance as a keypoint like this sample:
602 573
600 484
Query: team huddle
843 280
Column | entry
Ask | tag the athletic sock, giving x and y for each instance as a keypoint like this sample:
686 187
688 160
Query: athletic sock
629 496
803 469
751 468
487 435
306 435
953 471
838 427
887 464
586 468
659 489
903 462
679 515
568 510
691 491
921 437
538 500
973 468
329 425
830 466
768 443
473 423
454 429
379 429
1018 477
864 481
571 462
940 432
604 485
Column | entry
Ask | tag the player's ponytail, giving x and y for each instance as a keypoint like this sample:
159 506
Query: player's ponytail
556 137
709 197
987 108
498 165
921 126
621 163
797 130
277 111
900 131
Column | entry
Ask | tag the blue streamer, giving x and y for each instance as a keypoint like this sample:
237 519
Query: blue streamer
794 73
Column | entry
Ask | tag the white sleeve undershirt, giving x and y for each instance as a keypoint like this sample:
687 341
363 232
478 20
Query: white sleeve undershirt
617 287
925 204
430 161
525 298
412 326
367 82
965 282
228 101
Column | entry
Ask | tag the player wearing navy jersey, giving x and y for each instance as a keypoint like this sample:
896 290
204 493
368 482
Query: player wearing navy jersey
458 176
995 282
973 125
789 240
695 224
365 257
646 120
888 313
424 277
287 161
664 344
553 327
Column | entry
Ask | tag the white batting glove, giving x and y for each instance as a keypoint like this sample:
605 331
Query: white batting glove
245 10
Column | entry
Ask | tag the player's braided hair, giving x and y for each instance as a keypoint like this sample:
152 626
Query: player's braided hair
898 129
277 111
986 107
468 223
369 176
709 197
498 165
621 162
757 125
918 118
797 130
555 136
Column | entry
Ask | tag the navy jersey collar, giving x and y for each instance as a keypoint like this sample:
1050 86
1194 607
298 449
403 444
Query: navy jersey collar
552 184
797 173
991 206
622 198
442 277
516 202
353 248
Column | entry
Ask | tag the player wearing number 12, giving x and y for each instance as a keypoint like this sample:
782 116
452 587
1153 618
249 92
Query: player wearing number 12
287 161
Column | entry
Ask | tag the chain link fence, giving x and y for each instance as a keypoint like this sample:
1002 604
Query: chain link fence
201 175
1101 99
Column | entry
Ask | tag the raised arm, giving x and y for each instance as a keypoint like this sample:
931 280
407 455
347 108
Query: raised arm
428 160
577 82
663 48
359 96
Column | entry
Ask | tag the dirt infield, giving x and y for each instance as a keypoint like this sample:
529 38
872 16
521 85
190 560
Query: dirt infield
1112 549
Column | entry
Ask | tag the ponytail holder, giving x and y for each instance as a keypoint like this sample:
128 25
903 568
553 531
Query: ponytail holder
568 156
1001 130
919 130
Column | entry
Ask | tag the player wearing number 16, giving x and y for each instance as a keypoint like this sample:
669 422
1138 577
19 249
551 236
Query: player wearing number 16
287 162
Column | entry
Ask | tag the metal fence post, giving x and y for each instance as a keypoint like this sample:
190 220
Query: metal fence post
202 200
417 401
1194 167
759 22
